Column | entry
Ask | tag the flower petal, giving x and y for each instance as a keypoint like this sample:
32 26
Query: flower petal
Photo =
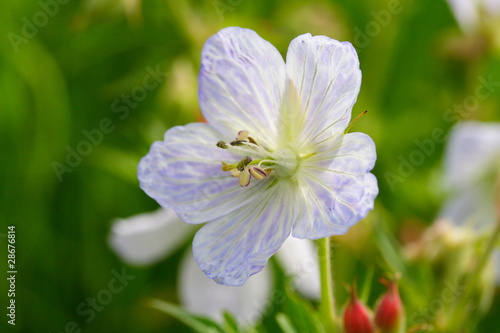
473 207
326 74
466 14
337 188
202 296
299 259
472 151
184 172
241 81
147 238
231 249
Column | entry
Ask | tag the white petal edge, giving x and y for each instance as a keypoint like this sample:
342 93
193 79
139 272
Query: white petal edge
241 82
147 238
231 249
299 259
184 172
203 296
327 77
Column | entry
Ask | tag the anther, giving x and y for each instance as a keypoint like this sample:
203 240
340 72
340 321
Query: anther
243 163
243 135
221 144
237 143
257 172
244 178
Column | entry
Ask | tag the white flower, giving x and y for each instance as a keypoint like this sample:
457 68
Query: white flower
472 166
280 124
147 238
472 171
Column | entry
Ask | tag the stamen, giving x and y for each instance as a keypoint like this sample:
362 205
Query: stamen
257 172
354 121
243 163
251 140
244 178
243 135
221 144
237 143
227 167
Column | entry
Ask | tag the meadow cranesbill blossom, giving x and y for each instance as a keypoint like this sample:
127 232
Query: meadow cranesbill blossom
472 167
147 238
273 159
472 176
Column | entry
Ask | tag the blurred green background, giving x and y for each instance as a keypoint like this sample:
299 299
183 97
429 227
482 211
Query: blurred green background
80 68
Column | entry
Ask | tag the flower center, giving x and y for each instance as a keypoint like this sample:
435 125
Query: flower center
258 162
286 162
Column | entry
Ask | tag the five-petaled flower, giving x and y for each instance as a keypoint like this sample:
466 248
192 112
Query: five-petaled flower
280 124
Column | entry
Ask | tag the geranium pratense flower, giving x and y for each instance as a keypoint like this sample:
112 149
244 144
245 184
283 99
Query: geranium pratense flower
280 124
472 175
472 166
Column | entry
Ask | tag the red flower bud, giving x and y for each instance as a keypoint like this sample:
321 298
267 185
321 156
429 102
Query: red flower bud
389 315
357 318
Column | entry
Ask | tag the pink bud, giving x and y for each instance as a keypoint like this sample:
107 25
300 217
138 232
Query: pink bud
389 315
357 316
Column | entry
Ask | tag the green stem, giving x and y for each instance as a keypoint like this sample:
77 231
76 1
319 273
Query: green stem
327 306
463 302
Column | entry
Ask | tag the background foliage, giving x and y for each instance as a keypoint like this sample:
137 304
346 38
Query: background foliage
64 77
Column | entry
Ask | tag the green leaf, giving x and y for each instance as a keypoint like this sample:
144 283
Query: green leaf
231 323
303 317
367 284
198 324
285 323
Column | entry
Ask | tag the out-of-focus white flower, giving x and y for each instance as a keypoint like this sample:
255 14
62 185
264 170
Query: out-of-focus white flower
147 238
472 165
472 168
472 14
203 296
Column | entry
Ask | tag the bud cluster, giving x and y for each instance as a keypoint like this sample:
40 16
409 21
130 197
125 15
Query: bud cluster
389 313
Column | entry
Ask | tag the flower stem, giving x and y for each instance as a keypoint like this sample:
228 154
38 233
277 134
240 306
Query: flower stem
327 306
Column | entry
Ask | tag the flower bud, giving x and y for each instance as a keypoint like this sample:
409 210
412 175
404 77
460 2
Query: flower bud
389 315
357 318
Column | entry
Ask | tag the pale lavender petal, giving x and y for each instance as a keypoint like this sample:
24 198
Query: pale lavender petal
299 259
473 207
184 172
492 8
327 77
241 81
466 13
473 151
238 245
337 188
147 238
202 296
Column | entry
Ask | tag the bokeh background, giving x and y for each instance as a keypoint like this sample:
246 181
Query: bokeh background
80 68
